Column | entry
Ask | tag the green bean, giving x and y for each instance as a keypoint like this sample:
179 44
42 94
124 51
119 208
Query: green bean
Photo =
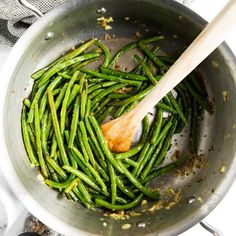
130 162
129 107
64 75
132 46
26 138
57 128
104 115
82 176
141 163
167 59
53 174
101 85
65 101
167 101
119 111
34 101
177 108
102 172
65 64
88 108
81 83
166 144
83 104
165 128
149 153
124 189
61 95
204 103
103 144
129 153
100 106
165 169
141 157
57 168
151 194
80 160
43 134
99 159
78 193
95 93
84 151
78 154
150 163
72 184
113 207
122 74
93 171
136 97
43 102
56 184
74 123
145 129
84 192
106 52
157 126
38 141
106 92
180 124
31 135
84 63
166 108
119 95
79 50
73 94
93 88
27 102
53 147
36 75
121 200
151 55
113 183
198 84
111 77
93 138
183 103
193 129
72 196
146 69
86 144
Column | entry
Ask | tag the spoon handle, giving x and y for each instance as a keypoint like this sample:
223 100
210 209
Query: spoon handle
208 40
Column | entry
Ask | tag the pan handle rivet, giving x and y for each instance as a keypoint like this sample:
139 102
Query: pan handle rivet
49 35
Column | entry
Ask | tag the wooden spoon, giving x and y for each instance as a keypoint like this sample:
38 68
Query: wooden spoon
119 133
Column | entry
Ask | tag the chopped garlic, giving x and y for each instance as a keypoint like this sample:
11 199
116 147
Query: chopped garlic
144 202
104 22
126 226
222 169
225 96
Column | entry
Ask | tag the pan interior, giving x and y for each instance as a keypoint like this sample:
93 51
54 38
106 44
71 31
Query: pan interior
77 22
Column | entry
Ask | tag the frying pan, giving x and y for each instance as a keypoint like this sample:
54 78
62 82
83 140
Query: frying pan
68 25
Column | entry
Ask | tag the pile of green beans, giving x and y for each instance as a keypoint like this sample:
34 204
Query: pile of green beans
62 116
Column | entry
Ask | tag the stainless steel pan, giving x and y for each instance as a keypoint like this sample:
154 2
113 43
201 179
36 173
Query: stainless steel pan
66 26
